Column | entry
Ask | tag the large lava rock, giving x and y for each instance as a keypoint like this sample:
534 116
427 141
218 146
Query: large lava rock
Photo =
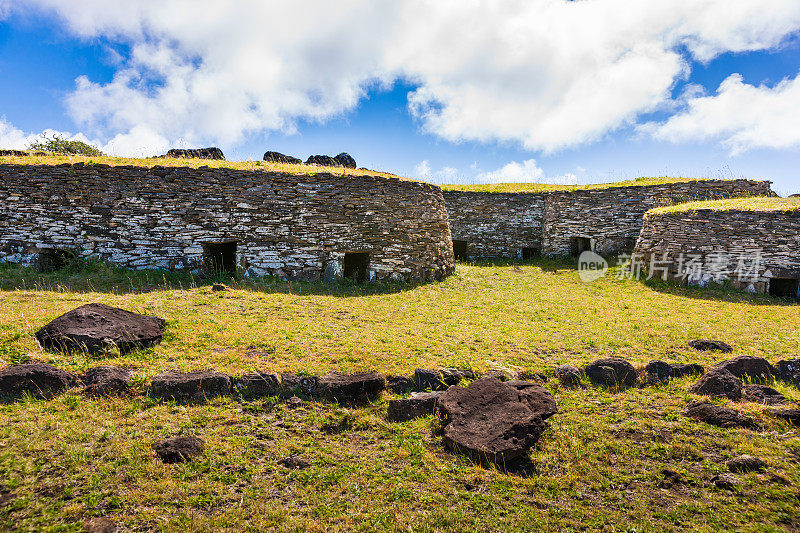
106 381
658 371
788 370
439 379
197 153
95 327
37 379
718 382
420 404
682 370
190 386
492 420
14 153
718 415
179 449
762 394
277 157
259 385
705 345
569 376
612 372
362 387
322 160
345 160
749 368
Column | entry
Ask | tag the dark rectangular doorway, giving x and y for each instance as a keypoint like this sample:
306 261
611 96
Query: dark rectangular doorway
219 258
784 287
530 253
460 250
578 245
55 259
356 266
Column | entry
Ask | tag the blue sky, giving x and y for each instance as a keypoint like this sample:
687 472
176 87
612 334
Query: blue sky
501 109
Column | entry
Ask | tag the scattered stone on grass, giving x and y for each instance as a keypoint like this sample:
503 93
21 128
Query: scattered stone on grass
658 371
293 402
277 157
439 379
96 327
197 153
612 372
762 394
106 381
681 370
179 449
538 397
399 384
705 345
726 481
501 374
345 160
717 383
292 385
720 416
37 379
190 386
491 420
746 463
756 369
359 388
259 385
219 287
322 160
788 370
569 376
418 405
100 525
790 415
295 462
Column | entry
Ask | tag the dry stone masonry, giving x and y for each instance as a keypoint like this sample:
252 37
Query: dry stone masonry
256 223
561 223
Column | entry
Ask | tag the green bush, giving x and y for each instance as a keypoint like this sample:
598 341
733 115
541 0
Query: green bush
58 145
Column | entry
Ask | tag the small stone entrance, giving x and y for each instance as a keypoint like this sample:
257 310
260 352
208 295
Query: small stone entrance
784 287
53 259
530 253
219 258
578 245
356 266
460 250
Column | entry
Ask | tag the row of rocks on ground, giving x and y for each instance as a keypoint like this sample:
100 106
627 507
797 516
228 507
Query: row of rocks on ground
342 160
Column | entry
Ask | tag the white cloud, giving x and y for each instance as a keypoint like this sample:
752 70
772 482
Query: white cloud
546 74
526 172
443 175
740 115
12 138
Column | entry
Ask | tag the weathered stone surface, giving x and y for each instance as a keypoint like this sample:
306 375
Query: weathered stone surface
746 463
190 386
726 481
292 385
611 372
13 153
219 287
705 345
788 370
295 462
322 160
362 387
439 379
658 371
419 404
681 370
197 153
259 385
345 160
569 376
538 397
106 381
101 525
179 449
762 394
399 384
748 368
96 327
718 382
718 415
790 415
37 379
489 420
277 157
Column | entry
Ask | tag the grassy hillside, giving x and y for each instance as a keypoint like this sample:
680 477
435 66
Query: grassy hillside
627 461
764 204
545 187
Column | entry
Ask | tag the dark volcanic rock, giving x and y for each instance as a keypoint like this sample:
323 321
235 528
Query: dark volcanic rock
322 160
350 388
37 379
762 394
489 420
13 153
569 376
726 481
190 386
611 372
106 381
439 379
717 383
790 415
95 327
539 398
746 463
788 370
179 449
705 345
750 368
681 370
345 160
420 404
658 371
292 385
399 384
197 153
101 525
259 385
295 462
277 157
718 415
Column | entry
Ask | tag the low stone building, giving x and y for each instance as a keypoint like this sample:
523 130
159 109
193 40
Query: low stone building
606 219
756 248
255 223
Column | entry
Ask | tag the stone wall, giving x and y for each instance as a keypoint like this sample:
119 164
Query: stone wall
295 226
749 249
607 219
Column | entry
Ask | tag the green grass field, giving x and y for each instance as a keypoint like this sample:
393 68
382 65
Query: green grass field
626 461
760 204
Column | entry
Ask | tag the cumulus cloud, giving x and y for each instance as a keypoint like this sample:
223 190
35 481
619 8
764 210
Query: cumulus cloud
443 175
513 172
545 74
739 115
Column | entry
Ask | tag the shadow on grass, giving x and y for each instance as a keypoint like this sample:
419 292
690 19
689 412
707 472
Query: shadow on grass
723 293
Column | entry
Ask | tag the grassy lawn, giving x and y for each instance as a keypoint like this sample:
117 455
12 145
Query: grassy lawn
627 461
545 187
762 204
